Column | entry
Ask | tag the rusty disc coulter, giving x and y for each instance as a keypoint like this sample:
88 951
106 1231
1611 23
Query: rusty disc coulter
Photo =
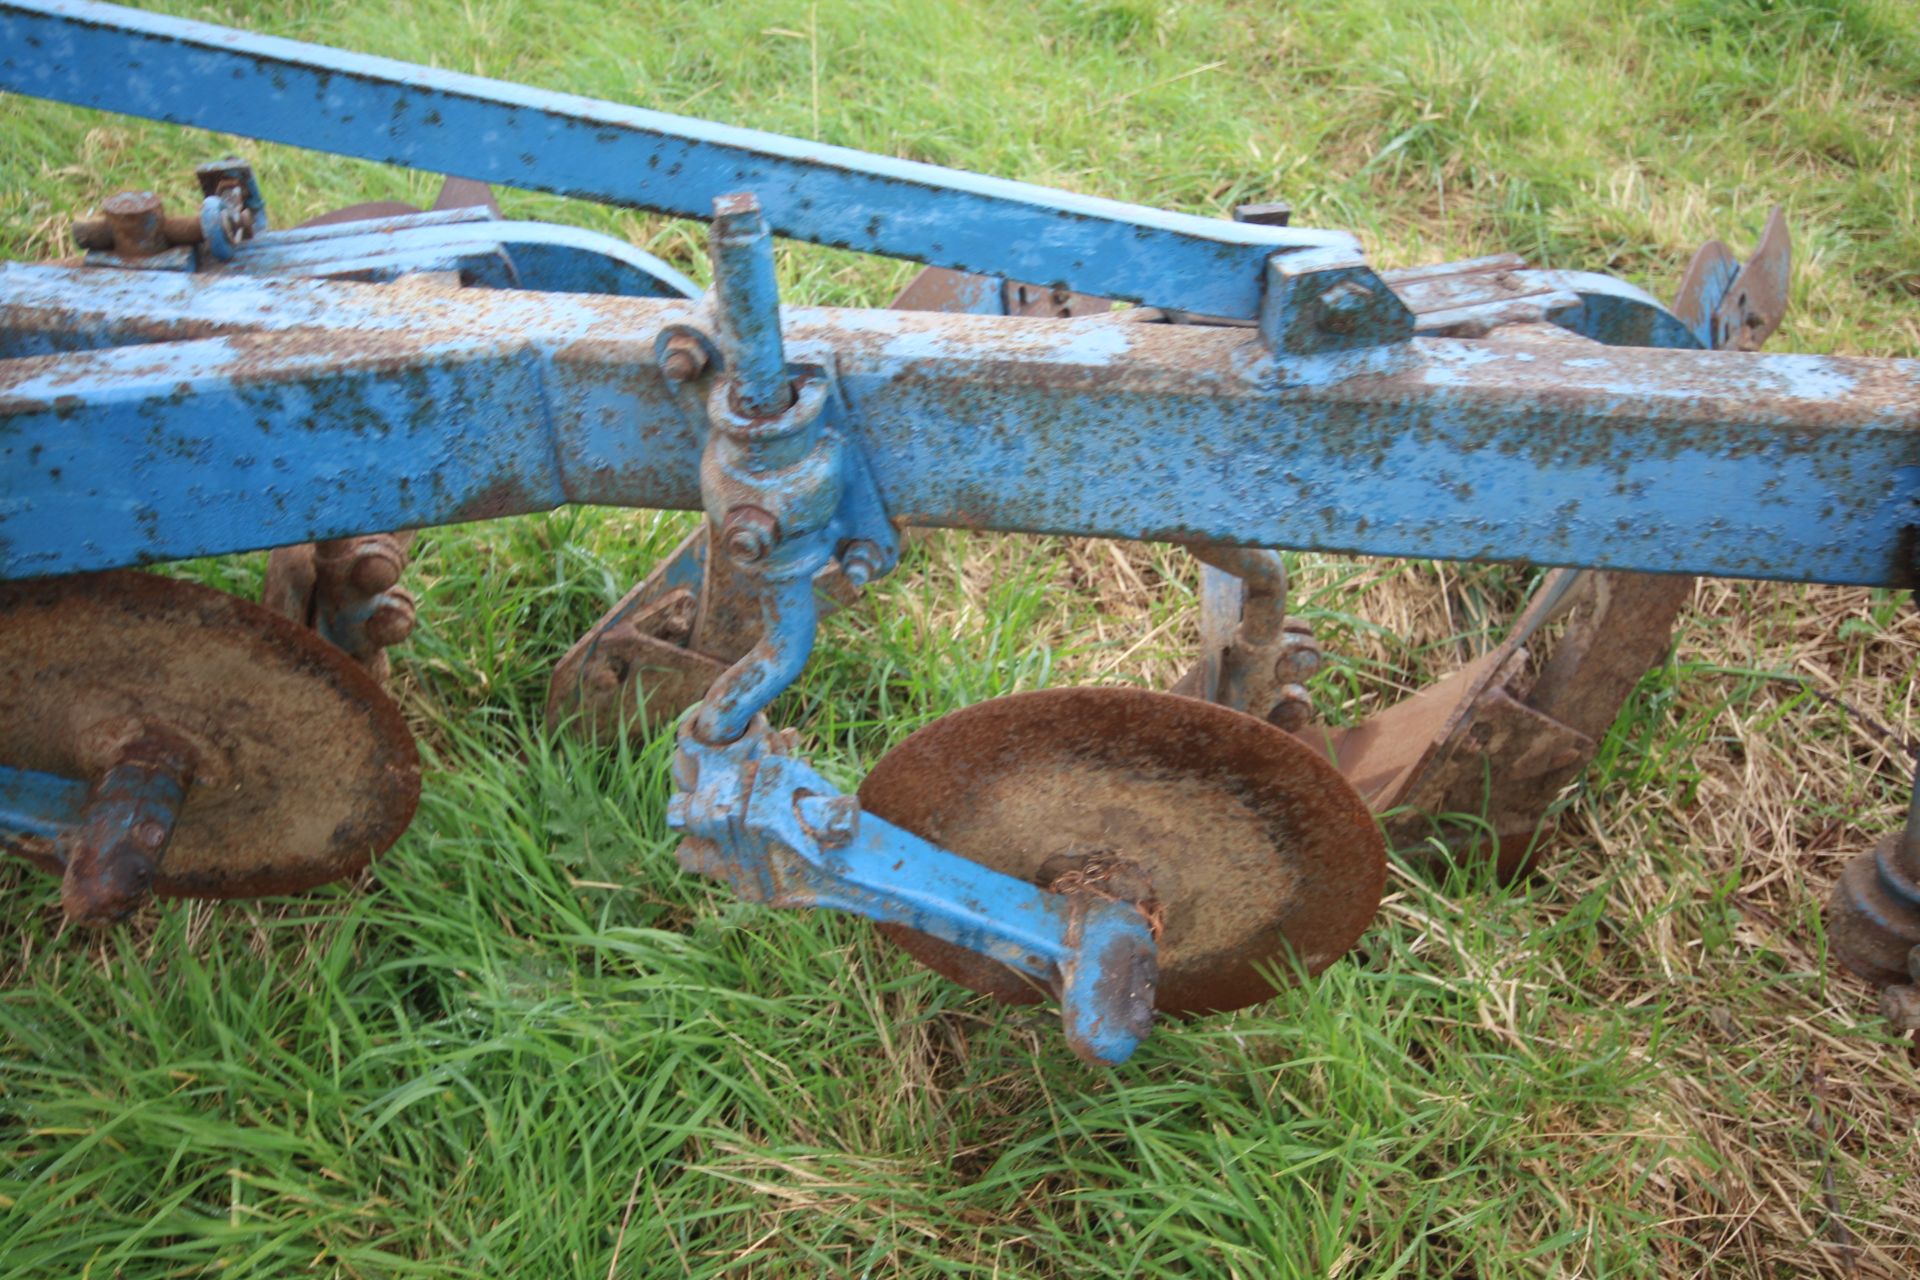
1247 850
231 752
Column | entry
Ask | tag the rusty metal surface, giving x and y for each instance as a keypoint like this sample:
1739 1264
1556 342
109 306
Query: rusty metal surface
365 212
1873 924
1489 742
1488 463
347 589
1383 754
1254 847
1729 306
653 655
303 769
465 193
940 289
455 193
114 851
1620 626
633 671
1756 301
1711 269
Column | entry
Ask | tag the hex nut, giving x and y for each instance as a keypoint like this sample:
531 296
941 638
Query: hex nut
749 535
860 562
684 360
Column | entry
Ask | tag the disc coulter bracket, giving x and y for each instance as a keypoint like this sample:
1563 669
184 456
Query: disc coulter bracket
781 834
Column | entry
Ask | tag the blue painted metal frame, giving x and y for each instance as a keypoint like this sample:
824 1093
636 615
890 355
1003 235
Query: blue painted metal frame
485 250
193 73
306 410
151 416
36 804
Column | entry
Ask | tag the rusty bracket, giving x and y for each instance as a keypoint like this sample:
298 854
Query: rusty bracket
1731 307
111 856
346 589
1253 657
1492 740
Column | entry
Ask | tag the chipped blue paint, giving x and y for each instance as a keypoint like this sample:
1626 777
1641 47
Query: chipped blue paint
36 804
193 73
330 409
779 833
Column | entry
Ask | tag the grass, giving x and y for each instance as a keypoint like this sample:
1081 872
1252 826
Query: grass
526 1044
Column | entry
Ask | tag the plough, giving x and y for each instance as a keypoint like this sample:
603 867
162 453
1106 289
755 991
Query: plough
214 383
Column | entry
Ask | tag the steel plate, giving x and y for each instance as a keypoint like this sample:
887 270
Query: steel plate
304 767
1260 854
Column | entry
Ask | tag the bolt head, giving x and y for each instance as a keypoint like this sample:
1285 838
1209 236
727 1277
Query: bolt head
1292 708
860 563
1297 661
392 621
131 204
684 360
832 820
375 568
749 535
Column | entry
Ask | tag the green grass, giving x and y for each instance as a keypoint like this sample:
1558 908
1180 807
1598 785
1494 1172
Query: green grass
529 1044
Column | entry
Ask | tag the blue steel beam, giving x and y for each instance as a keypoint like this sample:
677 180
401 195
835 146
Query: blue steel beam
308 409
193 73
35 804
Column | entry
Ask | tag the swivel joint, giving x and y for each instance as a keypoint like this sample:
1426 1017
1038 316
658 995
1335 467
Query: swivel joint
784 491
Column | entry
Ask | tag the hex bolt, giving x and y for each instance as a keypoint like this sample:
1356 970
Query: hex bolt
1342 306
1292 708
1299 654
684 360
749 534
860 562
832 820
